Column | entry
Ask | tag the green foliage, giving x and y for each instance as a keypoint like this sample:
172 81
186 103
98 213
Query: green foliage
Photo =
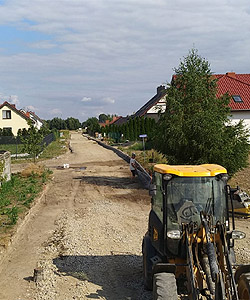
60 124
6 132
102 118
12 214
57 123
44 130
72 123
54 149
92 125
18 193
195 128
22 132
133 128
32 143
136 146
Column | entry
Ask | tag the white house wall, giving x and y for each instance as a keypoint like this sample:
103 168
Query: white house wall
241 115
161 105
15 122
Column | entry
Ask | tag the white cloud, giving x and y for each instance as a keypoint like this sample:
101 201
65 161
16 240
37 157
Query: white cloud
86 99
31 108
123 48
55 112
108 100
43 45
13 99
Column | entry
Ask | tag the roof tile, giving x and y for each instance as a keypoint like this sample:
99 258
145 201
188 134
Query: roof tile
235 84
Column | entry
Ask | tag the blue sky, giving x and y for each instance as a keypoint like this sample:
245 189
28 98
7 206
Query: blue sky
81 58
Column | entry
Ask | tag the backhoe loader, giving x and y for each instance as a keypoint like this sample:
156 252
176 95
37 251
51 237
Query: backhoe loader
188 250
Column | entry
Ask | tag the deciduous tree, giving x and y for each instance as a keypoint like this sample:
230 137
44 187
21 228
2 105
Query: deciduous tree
32 142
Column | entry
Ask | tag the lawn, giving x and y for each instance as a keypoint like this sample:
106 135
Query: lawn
18 194
12 148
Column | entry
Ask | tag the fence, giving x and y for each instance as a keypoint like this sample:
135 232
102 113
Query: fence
14 145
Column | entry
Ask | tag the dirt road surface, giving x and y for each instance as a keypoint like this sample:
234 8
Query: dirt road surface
85 233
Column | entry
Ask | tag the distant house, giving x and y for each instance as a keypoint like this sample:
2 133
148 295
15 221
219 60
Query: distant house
37 122
154 105
14 119
151 109
108 122
238 87
121 120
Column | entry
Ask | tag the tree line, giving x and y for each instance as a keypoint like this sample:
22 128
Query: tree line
60 124
194 128
131 129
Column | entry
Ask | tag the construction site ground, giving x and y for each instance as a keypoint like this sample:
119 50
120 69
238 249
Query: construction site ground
84 233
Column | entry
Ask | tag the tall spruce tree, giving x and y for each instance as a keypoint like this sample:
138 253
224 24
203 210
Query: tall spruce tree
127 131
195 127
131 130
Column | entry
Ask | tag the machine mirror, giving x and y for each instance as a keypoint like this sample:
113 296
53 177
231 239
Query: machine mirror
152 190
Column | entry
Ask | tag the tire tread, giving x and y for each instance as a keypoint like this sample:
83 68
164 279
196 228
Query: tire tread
164 287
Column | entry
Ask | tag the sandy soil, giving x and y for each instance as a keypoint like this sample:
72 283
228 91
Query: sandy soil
85 233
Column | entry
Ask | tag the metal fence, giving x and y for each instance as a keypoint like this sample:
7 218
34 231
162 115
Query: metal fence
14 145
48 139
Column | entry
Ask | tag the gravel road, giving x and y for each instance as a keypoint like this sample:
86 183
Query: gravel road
85 233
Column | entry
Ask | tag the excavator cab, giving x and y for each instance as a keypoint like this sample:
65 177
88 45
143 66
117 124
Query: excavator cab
189 244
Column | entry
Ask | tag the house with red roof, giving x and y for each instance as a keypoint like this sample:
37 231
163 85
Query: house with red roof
14 119
108 122
236 85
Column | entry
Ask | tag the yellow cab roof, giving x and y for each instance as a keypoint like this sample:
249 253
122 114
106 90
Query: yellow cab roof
204 170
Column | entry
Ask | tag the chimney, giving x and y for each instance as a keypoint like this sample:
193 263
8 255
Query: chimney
160 89
231 74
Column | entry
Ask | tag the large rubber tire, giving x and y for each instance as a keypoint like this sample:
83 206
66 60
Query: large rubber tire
148 252
164 287
244 286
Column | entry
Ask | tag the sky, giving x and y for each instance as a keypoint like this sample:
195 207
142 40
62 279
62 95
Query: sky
79 58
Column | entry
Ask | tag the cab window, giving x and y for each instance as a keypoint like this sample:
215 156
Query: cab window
158 198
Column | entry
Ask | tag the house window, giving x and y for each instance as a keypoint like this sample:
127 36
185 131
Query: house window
237 98
6 114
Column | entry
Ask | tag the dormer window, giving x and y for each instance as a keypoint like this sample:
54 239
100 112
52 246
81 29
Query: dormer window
237 98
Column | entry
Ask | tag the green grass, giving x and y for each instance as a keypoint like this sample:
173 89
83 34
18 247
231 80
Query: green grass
17 195
54 149
137 146
12 148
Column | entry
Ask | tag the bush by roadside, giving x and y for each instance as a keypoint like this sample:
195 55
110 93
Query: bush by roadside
147 158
